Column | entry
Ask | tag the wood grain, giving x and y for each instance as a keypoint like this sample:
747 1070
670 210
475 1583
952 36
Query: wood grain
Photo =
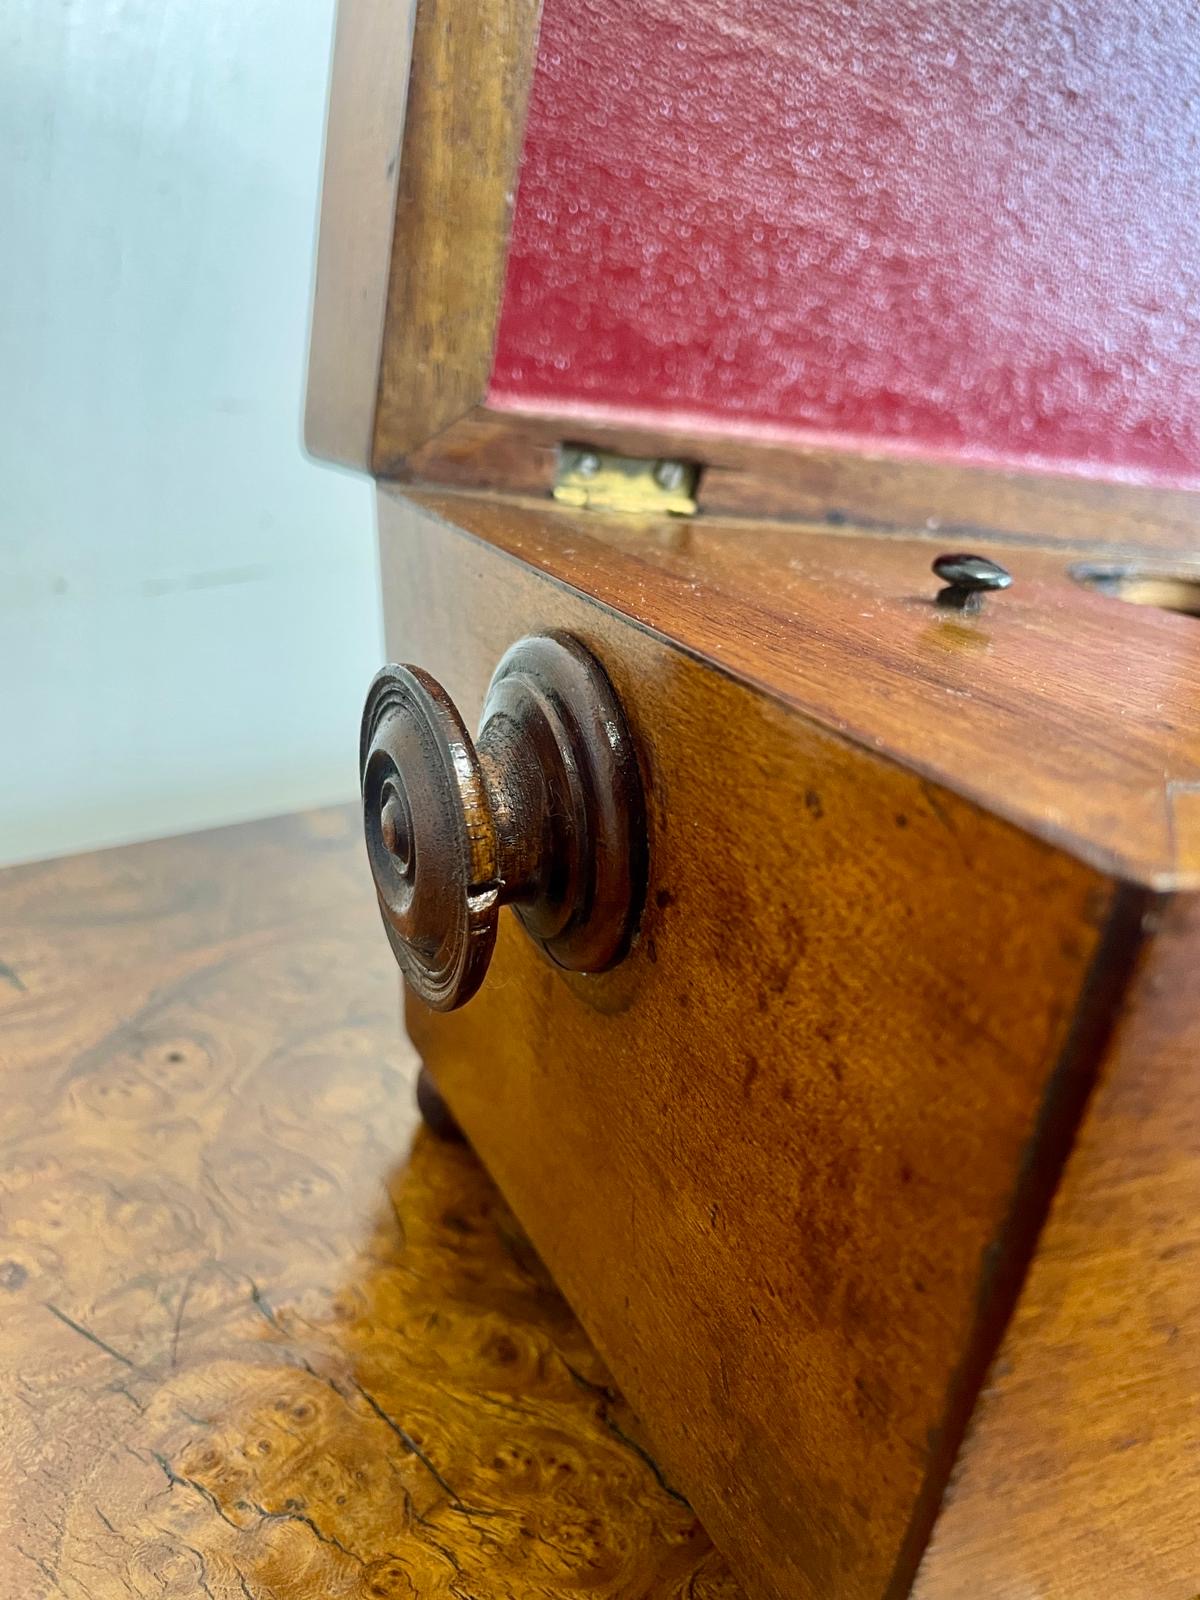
255 1347
368 87
516 455
755 1156
1080 1475
1068 712
466 106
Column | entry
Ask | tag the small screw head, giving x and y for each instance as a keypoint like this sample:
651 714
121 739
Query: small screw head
968 578
588 464
669 475
394 830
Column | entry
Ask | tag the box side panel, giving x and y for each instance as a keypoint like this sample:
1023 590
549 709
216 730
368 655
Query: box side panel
774 1158
1081 1475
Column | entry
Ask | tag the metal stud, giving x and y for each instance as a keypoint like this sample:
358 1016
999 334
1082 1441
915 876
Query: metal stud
967 579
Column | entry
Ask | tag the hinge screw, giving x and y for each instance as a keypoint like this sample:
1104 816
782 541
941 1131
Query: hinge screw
669 475
588 464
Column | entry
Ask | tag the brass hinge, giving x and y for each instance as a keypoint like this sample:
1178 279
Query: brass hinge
599 481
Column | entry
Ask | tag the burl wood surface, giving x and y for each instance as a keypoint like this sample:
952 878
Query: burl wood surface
788 1160
257 1343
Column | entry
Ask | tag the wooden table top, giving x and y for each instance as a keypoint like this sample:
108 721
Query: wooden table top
261 1337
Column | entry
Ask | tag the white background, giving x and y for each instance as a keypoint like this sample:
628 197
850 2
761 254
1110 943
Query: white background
189 611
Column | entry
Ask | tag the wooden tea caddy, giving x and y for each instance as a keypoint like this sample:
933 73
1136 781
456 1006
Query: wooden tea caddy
839 1052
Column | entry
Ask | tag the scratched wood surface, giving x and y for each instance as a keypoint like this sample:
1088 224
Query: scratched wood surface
257 1342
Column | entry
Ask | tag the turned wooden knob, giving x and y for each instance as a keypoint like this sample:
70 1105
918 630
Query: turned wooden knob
542 811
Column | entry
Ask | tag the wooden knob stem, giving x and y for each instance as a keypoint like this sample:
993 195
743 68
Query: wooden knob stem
543 811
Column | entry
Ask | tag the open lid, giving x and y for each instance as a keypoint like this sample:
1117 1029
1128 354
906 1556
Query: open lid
773 239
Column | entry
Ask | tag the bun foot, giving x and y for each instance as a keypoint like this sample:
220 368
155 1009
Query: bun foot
435 1113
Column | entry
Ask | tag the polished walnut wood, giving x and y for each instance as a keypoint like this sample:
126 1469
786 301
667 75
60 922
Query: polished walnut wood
544 812
465 115
1064 710
255 1347
818 1116
834 488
